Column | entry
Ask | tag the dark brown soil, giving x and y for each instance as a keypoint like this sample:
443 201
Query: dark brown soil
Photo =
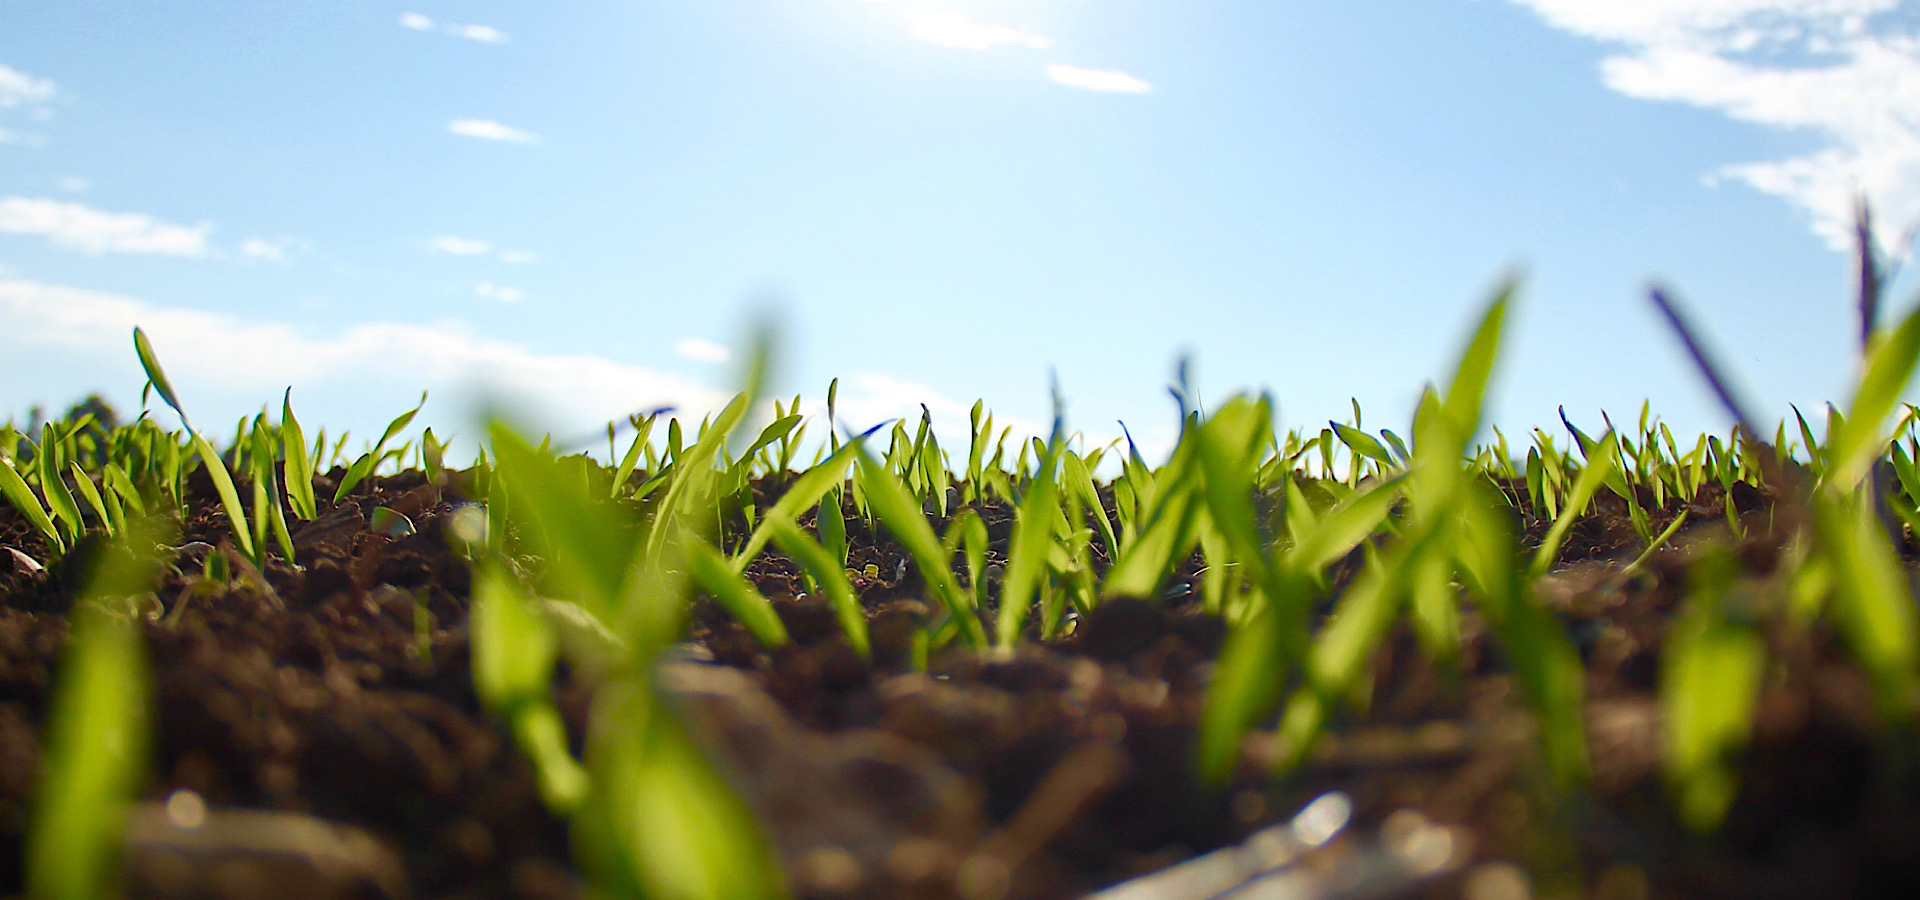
1052 772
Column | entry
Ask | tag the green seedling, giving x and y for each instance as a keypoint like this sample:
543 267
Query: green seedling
97 733
364 466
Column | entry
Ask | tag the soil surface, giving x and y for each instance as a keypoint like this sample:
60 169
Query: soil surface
316 738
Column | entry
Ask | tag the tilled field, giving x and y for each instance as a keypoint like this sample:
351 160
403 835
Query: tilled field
310 743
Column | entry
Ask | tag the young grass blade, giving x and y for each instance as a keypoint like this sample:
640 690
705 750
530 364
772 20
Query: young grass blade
66 513
98 738
897 510
643 428
1033 531
1079 479
1599 468
514 650
1816 460
229 496
298 466
269 516
101 511
734 592
1363 444
1349 522
806 491
1467 391
694 475
21 496
1544 661
1708 691
831 522
660 822
364 467
1859 439
831 577
585 546
156 376
1873 600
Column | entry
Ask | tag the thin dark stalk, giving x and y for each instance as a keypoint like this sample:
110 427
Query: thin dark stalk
1770 468
1704 362
1870 276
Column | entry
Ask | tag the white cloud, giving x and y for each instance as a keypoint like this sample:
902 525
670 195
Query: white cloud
17 88
499 292
952 29
8 136
1822 66
485 34
266 250
518 257
79 227
701 350
213 354
1106 80
487 129
458 246
73 185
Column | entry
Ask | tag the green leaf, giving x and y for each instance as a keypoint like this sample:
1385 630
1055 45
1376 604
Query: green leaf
1708 692
97 742
157 376
269 516
1860 439
298 466
1873 603
643 428
1363 444
831 575
363 467
661 822
66 513
514 651
586 546
1033 532
1599 468
229 496
89 493
21 496
805 491
901 515
737 595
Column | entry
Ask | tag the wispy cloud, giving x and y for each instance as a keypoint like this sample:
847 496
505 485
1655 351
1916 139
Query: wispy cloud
454 245
485 34
80 227
265 250
9 136
488 129
952 29
17 88
1105 80
500 292
1832 67
73 185
701 350
208 354
458 246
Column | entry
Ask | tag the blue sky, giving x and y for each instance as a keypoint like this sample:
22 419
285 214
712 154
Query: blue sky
584 204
